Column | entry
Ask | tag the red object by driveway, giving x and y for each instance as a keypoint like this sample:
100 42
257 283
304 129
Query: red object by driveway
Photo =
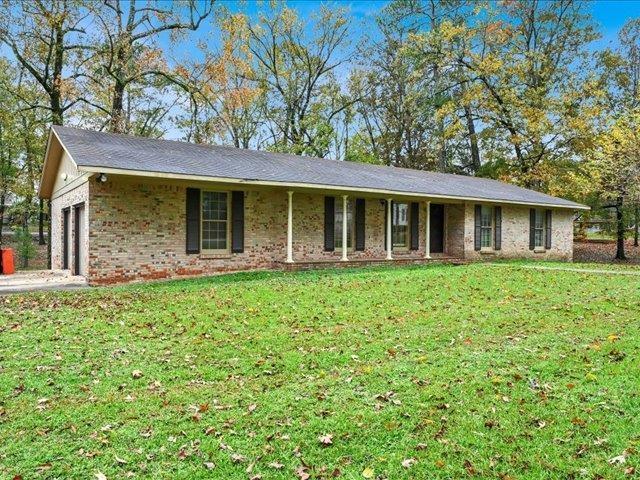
7 261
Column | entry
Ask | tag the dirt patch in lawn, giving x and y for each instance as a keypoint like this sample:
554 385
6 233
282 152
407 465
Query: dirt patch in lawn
604 252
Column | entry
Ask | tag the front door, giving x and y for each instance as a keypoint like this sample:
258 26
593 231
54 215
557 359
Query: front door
437 228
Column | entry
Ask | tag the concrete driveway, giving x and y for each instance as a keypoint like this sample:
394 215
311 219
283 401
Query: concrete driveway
40 280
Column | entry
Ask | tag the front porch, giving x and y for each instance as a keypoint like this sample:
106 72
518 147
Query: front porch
400 230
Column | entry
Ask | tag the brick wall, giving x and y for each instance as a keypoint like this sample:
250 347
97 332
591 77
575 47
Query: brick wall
454 229
137 231
515 235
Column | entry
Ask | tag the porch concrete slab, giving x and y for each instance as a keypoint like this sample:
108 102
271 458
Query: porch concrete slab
363 262
40 280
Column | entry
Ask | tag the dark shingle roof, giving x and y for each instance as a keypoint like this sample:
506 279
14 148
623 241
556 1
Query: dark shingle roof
105 150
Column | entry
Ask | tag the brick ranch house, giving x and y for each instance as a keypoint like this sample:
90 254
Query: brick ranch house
126 208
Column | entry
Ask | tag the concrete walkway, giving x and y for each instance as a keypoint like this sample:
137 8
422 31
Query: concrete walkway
598 271
40 280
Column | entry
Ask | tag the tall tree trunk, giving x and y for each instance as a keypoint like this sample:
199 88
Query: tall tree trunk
473 140
636 227
117 108
41 240
621 231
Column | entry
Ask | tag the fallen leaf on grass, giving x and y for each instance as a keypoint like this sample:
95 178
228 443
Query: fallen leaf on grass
368 472
121 461
101 476
619 460
237 458
468 466
578 421
409 462
136 374
44 467
302 473
276 465
209 465
326 440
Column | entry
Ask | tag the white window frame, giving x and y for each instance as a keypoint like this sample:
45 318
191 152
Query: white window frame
407 236
337 236
491 227
542 229
228 221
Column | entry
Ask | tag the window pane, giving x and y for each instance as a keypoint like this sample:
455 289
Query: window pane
539 219
486 216
338 223
539 237
485 236
214 206
486 226
400 229
214 220
214 235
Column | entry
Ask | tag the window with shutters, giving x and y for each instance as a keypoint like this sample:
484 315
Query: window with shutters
538 232
486 227
400 226
215 229
338 223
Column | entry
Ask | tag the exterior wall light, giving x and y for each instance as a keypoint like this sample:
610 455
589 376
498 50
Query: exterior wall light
102 178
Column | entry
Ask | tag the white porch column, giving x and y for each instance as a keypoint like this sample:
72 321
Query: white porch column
344 228
389 223
290 228
427 239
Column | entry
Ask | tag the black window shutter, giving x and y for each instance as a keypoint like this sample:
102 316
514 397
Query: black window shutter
329 223
547 238
477 244
532 229
414 216
193 220
360 222
237 222
497 240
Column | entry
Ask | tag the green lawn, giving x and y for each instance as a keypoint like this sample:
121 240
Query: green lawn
425 372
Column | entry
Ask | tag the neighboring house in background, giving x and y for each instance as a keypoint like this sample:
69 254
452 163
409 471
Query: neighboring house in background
127 208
